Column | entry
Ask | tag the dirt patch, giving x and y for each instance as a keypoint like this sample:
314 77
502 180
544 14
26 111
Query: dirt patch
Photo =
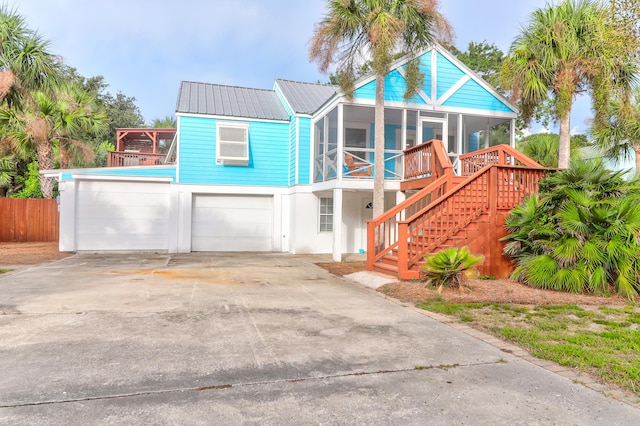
29 253
481 291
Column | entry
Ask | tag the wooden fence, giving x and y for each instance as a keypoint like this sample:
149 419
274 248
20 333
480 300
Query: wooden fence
28 220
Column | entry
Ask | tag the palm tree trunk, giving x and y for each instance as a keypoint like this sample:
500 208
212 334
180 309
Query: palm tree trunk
564 149
636 149
44 152
378 149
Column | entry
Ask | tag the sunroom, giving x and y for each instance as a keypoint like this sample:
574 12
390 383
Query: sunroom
343 139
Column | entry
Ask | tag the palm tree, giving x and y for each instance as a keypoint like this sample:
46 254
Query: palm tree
354 31
567 49
49 120
621 136
25 62
166 122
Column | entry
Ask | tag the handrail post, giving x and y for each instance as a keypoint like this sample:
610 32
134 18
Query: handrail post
502 158
371 247
403 249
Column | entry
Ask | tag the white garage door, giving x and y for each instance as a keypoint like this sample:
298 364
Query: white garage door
122 215
232 223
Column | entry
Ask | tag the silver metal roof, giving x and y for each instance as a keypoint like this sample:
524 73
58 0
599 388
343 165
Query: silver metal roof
214 99
306 98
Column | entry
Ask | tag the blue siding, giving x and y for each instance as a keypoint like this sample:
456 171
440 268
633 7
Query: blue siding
304 151
447 74
268 154
472 95
394 88
368 91
474 142
293 132
169 171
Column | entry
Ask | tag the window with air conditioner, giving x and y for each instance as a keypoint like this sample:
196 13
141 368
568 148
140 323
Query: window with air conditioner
232 144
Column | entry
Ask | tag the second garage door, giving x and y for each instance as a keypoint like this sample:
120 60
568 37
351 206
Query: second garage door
232 223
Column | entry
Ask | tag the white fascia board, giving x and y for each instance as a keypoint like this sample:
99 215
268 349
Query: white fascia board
230 118
282 97
231 190
475 112
354 185
116 178
475 77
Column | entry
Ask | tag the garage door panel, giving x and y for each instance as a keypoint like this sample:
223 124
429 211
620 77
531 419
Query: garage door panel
232 223
122 216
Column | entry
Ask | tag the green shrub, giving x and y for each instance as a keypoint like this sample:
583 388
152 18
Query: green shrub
580 234
450 267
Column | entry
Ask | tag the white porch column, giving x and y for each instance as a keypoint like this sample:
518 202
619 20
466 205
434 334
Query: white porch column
512 127
487 141
340 148
337 225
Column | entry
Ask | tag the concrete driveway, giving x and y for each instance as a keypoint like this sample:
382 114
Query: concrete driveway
253 339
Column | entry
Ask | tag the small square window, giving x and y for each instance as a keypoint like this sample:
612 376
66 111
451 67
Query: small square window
326 214
232 143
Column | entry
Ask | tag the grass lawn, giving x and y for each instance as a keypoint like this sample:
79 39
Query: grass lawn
601 341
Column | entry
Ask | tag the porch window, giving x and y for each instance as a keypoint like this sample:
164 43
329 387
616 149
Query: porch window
326 214
232 143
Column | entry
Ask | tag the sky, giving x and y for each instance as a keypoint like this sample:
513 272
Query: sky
144 48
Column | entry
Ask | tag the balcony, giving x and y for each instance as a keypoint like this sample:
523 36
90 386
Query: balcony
143 147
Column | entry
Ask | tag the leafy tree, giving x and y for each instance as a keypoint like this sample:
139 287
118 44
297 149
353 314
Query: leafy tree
580 233
25 61
451 267
543 147
621 136
485 59
566 49
29 184
355 30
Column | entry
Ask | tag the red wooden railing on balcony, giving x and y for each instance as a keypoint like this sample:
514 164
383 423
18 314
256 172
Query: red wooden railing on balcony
427 159
399 239
128 159
472 162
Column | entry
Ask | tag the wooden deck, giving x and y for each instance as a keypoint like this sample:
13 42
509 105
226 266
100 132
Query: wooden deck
452 210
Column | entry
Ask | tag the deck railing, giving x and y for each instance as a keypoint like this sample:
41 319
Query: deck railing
427 159
130 159
472 162
494 188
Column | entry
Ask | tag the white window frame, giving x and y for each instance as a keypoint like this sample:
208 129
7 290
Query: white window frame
232 161
329 223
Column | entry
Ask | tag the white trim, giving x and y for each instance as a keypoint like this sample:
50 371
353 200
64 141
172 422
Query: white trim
340 142
232 160
117 178
453 89
230 118
353 184
434 73
421 92
296 177
475 77
177 148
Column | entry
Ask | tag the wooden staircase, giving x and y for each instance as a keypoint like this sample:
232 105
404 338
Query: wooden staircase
449 210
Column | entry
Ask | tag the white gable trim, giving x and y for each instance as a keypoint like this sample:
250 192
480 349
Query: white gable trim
420 93
474 77
453 89
282 97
